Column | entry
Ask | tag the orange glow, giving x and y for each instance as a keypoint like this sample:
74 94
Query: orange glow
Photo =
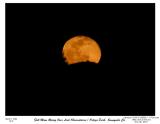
81 49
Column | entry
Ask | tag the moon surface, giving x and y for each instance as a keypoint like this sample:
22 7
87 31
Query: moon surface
81 49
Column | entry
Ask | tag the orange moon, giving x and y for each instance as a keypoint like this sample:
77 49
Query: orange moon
81 49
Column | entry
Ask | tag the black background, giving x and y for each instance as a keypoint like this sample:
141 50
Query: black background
38 82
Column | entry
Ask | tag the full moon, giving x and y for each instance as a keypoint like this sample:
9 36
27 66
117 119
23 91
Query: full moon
81 49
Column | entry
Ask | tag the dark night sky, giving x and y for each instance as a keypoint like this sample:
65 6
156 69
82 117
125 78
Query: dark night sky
38 82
